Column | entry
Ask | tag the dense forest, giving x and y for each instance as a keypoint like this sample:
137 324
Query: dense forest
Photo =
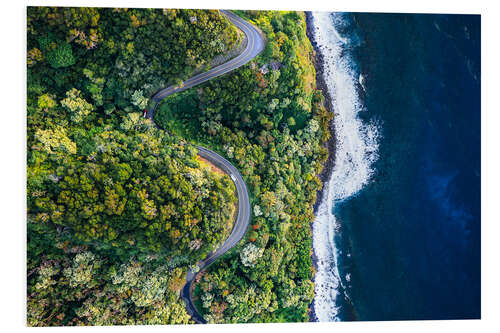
119 210
268 119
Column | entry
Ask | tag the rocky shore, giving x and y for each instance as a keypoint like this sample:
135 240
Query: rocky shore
325 173
321 85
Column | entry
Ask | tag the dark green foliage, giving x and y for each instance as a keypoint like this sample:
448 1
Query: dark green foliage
179 114
60 56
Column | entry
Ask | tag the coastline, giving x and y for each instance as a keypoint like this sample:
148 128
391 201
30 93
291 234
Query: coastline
330 144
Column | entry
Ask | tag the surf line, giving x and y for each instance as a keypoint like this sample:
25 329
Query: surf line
356 147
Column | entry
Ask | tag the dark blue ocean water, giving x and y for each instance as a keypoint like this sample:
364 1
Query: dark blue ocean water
413 233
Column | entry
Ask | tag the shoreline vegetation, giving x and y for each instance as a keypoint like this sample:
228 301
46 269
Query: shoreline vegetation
330 144
118 211
318 62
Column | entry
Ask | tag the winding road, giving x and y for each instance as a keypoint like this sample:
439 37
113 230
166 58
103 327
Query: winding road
255 45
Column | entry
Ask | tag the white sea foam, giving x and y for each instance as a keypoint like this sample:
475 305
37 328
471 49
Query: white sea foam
356 150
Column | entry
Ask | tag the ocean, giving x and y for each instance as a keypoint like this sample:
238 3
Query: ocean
397 233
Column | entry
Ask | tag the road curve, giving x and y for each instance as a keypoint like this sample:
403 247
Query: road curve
255 45
239 227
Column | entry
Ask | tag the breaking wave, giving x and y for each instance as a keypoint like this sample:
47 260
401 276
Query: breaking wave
356 150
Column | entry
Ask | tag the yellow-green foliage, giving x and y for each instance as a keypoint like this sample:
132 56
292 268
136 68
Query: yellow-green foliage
55 140
101 294
34 56
46 102
77 106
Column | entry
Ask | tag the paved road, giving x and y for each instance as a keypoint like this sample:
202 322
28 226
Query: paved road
255 45
239 228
